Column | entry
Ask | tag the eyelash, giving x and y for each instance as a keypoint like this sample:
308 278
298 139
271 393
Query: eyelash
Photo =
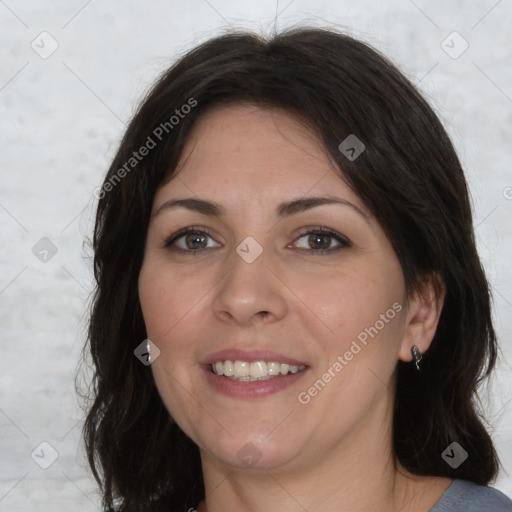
344 242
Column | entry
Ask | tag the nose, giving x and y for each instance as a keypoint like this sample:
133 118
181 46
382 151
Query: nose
250 293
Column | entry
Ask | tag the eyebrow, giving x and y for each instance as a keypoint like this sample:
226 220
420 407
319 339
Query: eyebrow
286 209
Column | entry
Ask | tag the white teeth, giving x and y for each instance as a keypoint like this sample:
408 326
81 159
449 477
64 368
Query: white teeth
273 368
228 368
219 367
241 369
256 370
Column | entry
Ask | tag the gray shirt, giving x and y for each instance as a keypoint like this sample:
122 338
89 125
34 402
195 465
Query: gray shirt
465 496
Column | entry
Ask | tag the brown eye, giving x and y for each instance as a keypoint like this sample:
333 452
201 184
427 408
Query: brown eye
321 240
195 240
189 240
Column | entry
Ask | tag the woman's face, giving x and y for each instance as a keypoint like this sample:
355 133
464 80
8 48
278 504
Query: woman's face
261 281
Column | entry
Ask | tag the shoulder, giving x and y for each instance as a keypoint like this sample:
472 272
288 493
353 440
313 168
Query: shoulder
466 496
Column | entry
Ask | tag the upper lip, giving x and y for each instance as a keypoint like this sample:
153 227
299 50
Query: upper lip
250 355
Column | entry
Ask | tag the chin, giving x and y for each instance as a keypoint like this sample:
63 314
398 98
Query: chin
244 452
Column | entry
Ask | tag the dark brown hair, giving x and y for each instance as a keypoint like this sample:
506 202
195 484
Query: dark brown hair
409 176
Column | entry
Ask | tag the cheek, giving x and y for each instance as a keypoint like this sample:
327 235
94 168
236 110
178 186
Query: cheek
361 309
350 301
173 306
164 300
154 295
165 306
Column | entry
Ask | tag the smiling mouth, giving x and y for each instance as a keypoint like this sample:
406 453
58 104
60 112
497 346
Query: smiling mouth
244 371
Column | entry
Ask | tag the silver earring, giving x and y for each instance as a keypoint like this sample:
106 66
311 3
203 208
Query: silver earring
417 355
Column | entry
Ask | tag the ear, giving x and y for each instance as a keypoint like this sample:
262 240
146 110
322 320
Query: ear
422 315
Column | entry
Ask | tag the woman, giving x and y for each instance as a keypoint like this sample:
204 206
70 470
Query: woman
290 310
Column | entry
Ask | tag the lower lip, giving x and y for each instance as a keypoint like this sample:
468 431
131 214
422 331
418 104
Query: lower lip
248 389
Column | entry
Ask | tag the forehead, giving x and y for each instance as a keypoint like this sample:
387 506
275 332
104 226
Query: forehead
245 127
245 151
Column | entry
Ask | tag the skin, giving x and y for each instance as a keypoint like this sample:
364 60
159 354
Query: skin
335 452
